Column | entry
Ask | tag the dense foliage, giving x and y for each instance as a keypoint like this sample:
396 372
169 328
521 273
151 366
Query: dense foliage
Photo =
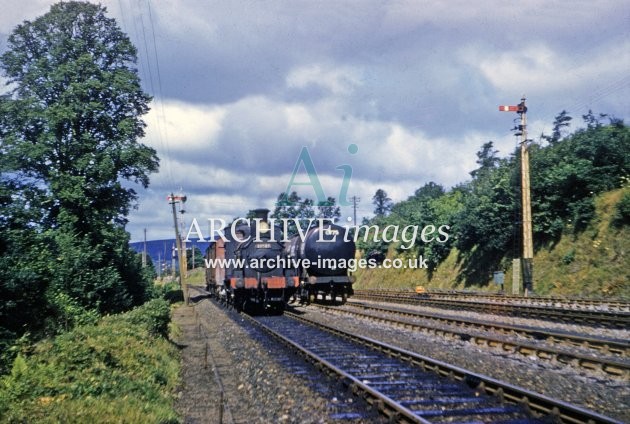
69 156
85 376
293 208
484 213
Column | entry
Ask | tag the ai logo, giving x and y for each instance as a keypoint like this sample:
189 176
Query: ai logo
313 180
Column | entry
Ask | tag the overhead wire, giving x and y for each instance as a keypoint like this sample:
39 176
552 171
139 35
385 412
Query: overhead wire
164 127
605 91
146 75
160 119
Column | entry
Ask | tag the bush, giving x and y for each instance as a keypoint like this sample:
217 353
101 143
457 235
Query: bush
116 371
569 257
171 292
154 316
621 215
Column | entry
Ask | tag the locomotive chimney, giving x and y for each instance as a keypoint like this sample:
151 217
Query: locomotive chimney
261 214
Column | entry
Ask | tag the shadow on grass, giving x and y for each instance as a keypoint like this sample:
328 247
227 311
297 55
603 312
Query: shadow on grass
174 296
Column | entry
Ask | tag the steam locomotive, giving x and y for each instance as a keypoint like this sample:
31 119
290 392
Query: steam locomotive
258 272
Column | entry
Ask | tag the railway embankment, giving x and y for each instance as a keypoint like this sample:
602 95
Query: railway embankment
592 263
122 369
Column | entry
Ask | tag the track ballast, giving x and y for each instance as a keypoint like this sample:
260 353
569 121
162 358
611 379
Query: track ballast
412 388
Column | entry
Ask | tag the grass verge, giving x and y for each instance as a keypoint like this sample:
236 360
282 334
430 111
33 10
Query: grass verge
121 370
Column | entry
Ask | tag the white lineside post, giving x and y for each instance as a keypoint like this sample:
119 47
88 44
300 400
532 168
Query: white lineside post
516 276
159 267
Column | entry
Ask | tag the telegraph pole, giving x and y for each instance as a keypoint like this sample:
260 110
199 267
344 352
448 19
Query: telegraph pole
144 252
173 256
355 201
180 254
527 264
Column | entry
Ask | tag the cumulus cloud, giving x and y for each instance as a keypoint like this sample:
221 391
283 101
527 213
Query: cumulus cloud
241 156
541 67
415 85
338 81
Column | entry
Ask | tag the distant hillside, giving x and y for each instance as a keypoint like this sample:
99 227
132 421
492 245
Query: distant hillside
161 250
595 262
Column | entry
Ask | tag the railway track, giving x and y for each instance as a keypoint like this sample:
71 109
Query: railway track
548 301
609 319
460 329
408 387
341 405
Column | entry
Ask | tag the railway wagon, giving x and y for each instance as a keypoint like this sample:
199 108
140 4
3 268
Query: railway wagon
329 256
249 277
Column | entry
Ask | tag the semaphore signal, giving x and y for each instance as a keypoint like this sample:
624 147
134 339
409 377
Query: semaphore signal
528 245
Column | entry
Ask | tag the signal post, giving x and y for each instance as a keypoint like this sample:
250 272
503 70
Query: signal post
527 262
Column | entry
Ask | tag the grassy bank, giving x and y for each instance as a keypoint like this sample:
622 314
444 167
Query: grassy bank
594 263
121 370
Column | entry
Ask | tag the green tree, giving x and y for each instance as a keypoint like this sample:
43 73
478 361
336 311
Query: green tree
485 225
75 114
425 208
566 175
329 209
562 120
198 257
294 207
592 121
382 203
486 159
69 139
430 190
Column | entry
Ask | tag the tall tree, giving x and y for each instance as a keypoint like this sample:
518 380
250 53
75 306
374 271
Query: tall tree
592 121
430 190
329 209
294 207
561 121
382 203
75 111
486 159
70 131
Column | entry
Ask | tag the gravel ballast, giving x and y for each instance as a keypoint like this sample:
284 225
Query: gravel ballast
605 395
263 382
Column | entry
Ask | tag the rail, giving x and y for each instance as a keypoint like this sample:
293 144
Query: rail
538 405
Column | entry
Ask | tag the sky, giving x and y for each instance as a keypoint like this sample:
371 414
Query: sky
401 92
